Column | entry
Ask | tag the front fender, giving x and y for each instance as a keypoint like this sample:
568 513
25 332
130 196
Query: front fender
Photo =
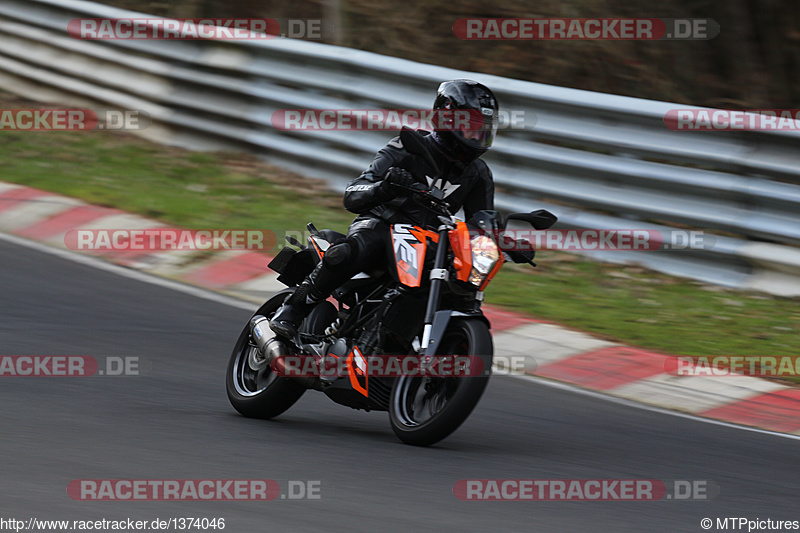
440 322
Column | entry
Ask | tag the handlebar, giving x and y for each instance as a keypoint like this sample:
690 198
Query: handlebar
437 205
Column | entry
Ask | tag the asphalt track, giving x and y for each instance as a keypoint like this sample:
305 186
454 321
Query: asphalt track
174 422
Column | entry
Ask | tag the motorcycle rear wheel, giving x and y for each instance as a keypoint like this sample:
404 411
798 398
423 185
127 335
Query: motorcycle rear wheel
259 393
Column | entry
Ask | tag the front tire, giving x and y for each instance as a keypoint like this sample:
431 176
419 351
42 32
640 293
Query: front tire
259 393
424 410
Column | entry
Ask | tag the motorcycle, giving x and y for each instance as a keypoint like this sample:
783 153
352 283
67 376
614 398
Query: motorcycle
428 305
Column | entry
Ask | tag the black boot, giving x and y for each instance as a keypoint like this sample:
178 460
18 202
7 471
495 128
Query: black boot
297 306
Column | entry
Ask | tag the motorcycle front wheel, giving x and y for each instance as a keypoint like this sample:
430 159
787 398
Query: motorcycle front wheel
424 409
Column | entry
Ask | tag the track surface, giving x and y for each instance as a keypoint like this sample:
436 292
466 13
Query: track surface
174 422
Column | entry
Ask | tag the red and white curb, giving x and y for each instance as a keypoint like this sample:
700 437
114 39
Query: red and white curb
546 350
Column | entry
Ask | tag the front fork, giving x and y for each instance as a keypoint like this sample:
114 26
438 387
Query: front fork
435 320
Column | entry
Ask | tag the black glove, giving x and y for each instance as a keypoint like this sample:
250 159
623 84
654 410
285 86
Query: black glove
397 182
523 252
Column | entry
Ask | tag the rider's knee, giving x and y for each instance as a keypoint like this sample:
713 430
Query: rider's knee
339 256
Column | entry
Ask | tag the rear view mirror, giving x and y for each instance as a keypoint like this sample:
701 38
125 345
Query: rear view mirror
539 219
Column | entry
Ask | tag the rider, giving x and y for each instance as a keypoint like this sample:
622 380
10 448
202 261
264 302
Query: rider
380 196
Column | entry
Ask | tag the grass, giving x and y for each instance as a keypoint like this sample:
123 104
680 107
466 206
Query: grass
223 190
649 309
189 189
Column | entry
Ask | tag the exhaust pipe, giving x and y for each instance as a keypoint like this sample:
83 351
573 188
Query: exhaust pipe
260 332
273 352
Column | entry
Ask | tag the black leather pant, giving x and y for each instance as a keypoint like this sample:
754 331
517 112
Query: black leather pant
365 249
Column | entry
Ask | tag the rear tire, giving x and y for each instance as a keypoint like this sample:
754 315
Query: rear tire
424 410
259 393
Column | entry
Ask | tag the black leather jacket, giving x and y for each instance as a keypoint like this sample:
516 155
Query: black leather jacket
470 186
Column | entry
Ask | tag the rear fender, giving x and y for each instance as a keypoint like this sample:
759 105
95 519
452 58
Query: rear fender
293 266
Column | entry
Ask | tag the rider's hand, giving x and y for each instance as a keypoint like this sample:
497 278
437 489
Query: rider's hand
522 252
398 182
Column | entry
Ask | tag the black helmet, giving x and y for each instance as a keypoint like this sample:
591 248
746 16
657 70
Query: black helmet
471 141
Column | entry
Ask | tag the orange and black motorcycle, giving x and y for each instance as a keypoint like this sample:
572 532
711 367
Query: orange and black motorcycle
384 344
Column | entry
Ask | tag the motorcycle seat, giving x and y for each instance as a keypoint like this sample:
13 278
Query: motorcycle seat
331 236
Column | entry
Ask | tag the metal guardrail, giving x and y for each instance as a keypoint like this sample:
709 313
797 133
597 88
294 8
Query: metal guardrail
597 160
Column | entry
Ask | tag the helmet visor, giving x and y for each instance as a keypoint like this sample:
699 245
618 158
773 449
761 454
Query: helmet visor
476 127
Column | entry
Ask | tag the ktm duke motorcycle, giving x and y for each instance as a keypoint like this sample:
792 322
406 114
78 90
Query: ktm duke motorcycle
428 305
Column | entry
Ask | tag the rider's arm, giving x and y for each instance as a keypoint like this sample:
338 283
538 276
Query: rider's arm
481 196
364 192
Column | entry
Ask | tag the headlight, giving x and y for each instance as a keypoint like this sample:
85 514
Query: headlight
485 256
